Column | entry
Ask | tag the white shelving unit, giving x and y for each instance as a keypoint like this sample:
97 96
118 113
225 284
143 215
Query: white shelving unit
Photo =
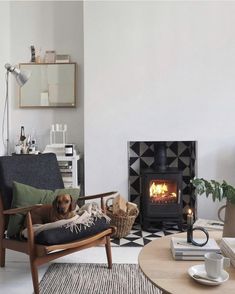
68 164
69 170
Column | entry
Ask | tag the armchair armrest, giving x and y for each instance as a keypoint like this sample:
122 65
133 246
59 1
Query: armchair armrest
96 196
114 230
21 209
101 196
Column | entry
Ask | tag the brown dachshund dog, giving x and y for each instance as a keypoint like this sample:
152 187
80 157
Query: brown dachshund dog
63 207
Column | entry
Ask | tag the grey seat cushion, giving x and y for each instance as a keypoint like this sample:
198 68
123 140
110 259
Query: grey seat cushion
65 235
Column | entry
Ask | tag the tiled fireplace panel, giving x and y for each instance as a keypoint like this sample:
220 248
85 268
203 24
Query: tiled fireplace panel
180 155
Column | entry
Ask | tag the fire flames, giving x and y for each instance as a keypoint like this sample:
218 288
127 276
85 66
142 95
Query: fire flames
160 191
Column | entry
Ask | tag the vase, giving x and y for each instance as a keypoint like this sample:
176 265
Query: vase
229 219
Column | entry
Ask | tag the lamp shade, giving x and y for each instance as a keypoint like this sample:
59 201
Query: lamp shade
20 76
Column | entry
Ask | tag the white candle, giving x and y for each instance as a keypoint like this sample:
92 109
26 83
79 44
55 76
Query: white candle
190 218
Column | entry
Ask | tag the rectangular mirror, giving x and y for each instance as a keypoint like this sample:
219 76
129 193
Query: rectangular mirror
50 85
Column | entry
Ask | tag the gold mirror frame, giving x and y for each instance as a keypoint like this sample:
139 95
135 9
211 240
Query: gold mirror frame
51 85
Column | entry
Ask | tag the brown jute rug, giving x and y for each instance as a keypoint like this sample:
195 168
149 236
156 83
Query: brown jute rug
74 278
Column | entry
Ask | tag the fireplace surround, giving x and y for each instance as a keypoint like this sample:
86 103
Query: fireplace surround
176 164
161 198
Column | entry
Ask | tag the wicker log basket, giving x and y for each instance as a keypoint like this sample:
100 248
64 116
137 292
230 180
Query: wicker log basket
123 221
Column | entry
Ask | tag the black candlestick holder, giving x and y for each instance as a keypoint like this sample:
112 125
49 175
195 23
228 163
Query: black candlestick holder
190 230
189 234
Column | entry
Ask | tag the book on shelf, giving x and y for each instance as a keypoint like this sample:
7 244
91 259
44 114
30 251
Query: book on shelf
64 163
66 174
181 250
65 170
68 185
67 179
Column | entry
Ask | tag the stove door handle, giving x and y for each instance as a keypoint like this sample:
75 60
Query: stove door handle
179 196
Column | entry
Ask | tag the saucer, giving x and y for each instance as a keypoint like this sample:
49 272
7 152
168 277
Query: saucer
200 270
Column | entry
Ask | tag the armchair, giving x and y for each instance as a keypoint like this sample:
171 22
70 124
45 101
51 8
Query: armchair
40 171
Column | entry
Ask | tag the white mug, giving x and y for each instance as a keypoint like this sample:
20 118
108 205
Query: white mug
215 263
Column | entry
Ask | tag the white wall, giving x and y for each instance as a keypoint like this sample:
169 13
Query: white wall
51 25
158 71
4 57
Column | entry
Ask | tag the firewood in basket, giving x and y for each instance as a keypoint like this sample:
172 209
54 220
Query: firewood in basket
120 212
131 206
119 204
134 211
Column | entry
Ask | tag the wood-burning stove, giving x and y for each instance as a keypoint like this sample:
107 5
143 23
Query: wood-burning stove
161 187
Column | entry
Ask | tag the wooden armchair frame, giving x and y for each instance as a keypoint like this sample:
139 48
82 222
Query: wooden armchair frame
40 254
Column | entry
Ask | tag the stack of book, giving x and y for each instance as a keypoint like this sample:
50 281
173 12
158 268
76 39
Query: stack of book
181 250
227 246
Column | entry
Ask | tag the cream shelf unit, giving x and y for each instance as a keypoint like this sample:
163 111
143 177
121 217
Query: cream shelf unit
69 170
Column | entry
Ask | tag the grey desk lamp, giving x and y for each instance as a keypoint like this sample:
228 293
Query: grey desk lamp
21 78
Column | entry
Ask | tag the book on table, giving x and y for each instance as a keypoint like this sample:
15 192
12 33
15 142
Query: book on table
227 246
230 244
181 250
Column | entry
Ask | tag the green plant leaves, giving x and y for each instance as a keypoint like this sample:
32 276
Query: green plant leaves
217 190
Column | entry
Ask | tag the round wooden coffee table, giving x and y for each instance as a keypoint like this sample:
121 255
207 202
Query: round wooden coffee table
171 276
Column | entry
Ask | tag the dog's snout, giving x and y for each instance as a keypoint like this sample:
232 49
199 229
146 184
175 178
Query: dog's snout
63 204
61 209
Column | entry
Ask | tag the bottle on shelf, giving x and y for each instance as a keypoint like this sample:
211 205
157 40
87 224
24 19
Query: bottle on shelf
34 141
22 134
22 141
32 148
18 145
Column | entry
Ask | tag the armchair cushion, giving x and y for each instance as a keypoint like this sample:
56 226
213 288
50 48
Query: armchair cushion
25 195
65 235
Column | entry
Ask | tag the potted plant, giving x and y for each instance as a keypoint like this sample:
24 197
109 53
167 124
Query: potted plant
215 189
219 191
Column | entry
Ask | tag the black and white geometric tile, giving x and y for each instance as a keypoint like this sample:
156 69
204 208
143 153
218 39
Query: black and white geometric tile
138 238
180 154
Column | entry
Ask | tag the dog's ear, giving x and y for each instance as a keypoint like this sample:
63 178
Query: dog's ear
72 204
54 203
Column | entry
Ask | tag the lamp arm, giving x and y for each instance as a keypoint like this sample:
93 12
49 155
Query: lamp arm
21 78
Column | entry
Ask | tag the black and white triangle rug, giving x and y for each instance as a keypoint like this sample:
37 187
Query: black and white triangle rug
139 238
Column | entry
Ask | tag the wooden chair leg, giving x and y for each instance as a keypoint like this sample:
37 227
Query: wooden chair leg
2 235
2 256
108 252
34 273
31 246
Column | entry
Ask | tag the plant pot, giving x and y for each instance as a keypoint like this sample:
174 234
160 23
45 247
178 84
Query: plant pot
229 220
